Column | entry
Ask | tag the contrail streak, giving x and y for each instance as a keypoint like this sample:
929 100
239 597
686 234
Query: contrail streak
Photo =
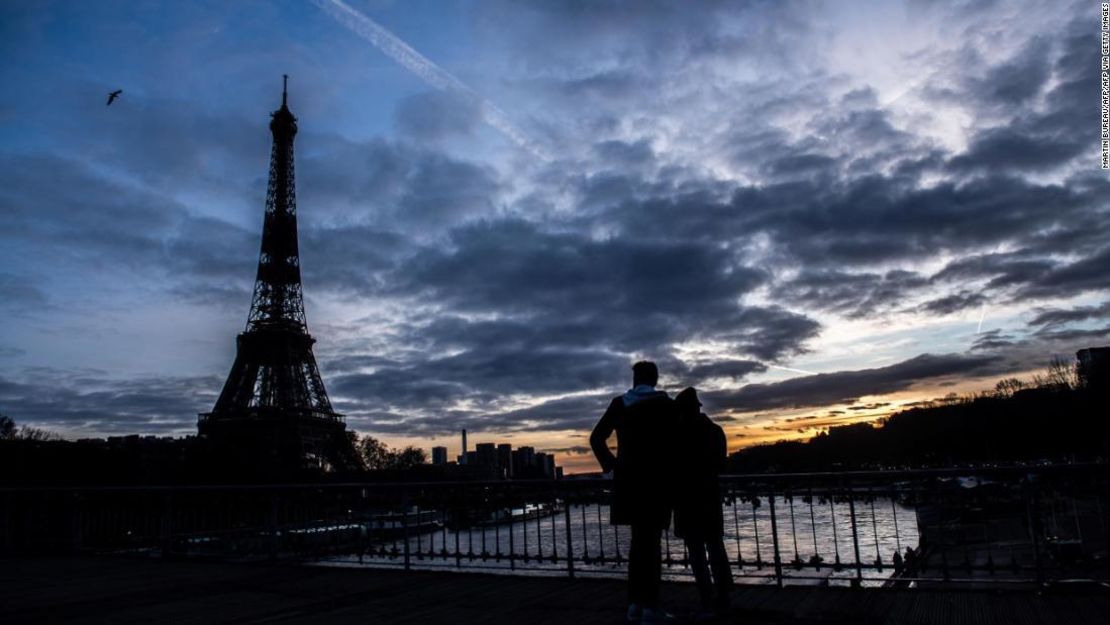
791 370
424 69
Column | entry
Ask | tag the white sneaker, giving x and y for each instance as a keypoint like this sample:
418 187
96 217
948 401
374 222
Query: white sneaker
635 613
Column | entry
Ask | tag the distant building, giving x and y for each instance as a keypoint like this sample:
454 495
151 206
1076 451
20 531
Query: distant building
505 459
500 460
487 454
1093 368
545 465
523 461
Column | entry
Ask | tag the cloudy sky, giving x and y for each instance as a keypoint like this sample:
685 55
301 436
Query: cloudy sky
814 215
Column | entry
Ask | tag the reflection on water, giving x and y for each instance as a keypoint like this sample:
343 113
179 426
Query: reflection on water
812 539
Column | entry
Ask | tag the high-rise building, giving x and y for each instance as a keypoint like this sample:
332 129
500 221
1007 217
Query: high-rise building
505 459
487 454
523 461
545 465
439 455
1093 368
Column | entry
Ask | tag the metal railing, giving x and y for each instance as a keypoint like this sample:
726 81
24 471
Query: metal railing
1017 525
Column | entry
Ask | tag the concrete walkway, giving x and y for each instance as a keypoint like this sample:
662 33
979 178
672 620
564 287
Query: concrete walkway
118 590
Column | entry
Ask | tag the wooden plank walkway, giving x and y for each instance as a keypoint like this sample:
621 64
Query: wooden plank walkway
117 590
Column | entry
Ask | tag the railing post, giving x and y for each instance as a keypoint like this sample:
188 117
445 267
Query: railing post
856 583
1033 515
75 522
459 520
405 527
775 538
569 539
273 523
167 524
512 541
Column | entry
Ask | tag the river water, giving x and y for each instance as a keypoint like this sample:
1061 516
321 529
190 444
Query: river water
882 528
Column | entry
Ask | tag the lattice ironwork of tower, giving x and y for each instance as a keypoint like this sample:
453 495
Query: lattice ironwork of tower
273 414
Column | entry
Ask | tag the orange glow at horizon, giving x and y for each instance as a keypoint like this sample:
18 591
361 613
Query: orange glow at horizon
742 429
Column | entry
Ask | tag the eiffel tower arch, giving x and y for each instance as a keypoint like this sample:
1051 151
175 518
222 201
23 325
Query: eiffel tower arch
273 417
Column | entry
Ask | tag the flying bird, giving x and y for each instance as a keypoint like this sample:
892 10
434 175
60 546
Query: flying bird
112 96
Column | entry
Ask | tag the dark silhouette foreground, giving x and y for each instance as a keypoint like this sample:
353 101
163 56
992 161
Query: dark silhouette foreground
643 419
669 457
104 589
698 518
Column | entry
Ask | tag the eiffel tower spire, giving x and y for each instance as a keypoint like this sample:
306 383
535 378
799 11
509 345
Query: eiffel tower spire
277 298
273 409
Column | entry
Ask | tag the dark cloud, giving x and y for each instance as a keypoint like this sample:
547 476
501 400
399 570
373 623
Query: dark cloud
95 405
1060 316
63 209
845 387
992 340
483 376
1072 336
1080 276
1001 269
855 295
394 185
642 294
577 413
955 302
1010 148
1037 138
733 369
1017 80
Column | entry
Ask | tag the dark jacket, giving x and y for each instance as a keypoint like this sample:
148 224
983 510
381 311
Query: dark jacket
701 457
645 425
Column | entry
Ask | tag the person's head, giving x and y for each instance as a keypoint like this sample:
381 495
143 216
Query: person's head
645 372
687 401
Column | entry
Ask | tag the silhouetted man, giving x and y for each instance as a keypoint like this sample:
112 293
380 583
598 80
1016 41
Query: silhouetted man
644 421
702 454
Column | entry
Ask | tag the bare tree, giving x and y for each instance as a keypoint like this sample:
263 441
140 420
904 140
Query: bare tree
1007 387
1062 375
377 455
7 428
9 431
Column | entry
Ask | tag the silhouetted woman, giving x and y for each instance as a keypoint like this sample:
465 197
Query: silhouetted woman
698 518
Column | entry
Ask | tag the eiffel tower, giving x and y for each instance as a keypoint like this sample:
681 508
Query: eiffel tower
273 417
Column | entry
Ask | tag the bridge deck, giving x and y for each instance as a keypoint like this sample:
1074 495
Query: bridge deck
124 590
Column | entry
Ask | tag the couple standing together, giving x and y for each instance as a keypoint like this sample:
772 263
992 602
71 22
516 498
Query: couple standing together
669 456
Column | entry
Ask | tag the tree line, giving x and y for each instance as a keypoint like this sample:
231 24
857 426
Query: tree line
1049 417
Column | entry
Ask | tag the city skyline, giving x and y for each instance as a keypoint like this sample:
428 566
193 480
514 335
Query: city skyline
808 234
